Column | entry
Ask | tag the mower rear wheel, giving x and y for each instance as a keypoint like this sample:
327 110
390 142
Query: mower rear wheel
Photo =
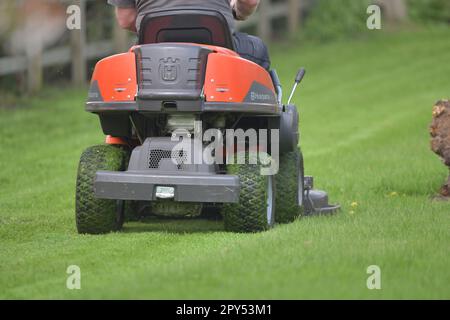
93 215
290 187
256 208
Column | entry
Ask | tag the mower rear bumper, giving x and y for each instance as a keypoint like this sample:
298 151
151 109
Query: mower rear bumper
138 185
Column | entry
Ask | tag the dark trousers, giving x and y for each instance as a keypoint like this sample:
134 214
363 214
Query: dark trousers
252 48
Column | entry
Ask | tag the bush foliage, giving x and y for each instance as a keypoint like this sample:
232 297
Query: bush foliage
331 19
429 11
338 18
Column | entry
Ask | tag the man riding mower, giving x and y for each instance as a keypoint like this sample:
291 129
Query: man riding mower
183 81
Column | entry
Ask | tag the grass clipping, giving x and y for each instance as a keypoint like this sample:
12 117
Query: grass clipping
440 137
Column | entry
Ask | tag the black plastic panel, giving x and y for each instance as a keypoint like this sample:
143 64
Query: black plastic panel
170 73
115 124
193 25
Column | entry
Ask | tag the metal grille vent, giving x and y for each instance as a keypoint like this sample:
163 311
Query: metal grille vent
156 155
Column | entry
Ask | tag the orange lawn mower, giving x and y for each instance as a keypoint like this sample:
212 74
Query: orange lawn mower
181 81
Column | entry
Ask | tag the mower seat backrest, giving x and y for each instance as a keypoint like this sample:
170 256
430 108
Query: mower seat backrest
186 25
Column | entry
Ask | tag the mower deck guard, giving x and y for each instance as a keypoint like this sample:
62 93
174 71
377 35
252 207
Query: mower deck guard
188 187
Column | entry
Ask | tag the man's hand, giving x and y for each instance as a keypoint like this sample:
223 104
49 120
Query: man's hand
244 8
126 17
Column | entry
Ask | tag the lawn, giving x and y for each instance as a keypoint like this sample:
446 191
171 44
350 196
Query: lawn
365 108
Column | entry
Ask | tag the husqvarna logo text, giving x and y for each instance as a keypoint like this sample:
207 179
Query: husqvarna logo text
259 96
168 69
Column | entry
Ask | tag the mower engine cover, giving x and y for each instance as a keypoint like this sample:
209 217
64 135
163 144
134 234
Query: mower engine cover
174 77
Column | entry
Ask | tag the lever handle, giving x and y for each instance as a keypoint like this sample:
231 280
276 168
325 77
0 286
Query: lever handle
300 74
298 79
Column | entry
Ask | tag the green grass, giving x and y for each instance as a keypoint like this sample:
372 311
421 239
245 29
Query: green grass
365 108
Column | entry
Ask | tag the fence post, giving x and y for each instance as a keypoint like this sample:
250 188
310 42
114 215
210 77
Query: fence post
264 23
294 15
78 48
34 66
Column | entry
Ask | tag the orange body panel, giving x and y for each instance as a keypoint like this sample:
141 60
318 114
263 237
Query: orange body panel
230 77
116 77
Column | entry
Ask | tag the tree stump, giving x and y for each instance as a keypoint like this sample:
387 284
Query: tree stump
440 137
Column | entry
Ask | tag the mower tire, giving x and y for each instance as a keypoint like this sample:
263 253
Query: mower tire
256 208
93 215
290 187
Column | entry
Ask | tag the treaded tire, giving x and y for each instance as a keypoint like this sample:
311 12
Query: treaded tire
93 215
251 213
290 187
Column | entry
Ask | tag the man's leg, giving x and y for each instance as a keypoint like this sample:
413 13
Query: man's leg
252 48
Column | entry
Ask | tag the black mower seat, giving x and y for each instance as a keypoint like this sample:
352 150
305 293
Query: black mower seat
186 25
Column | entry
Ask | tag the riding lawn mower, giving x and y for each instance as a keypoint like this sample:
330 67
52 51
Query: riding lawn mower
185 77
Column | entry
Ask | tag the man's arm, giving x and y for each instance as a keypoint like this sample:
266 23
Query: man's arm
244 8
126 13
126 17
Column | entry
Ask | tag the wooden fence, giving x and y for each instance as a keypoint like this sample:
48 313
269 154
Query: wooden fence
79 51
